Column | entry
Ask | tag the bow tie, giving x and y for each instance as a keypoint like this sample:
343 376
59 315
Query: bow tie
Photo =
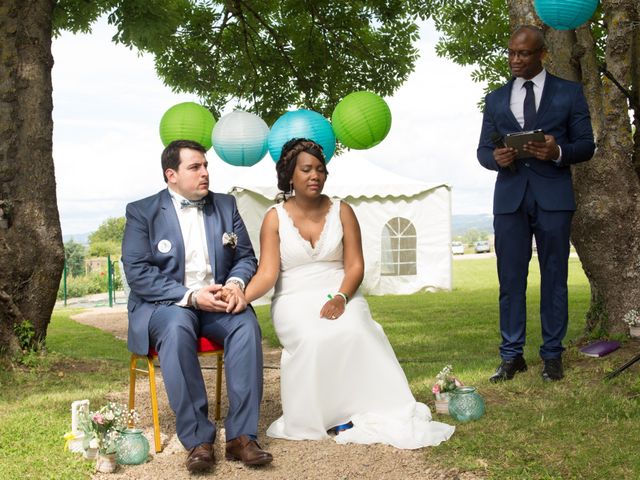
193 203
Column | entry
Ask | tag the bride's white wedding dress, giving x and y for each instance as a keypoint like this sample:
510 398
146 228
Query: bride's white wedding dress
336 371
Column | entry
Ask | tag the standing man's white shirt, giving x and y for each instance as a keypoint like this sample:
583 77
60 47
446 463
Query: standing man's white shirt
518 92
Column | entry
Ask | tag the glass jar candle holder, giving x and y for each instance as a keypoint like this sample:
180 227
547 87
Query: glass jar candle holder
132 447
466 404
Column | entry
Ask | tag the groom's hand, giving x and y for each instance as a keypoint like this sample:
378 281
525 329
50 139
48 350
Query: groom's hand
210 299
234 296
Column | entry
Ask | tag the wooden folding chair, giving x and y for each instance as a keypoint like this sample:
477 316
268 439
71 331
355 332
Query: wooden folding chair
205 347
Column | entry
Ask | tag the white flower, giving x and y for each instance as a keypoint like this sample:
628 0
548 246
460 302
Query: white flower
109 416
632 318
229 238
93 443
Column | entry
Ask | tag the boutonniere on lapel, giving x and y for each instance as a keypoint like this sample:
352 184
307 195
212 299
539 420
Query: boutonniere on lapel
229 239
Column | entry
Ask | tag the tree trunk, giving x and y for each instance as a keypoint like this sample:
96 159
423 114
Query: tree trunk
607 221
31 250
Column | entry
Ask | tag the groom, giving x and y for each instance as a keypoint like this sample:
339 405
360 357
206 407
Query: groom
533 196
187 257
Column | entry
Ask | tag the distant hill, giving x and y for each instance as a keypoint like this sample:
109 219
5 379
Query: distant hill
460 224
81 238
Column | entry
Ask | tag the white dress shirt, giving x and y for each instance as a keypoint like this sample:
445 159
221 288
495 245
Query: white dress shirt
518 92
197 268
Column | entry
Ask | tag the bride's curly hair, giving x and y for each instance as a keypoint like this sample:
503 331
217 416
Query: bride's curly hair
287 161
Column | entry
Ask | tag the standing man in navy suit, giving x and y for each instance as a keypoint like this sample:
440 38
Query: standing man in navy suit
187 257
533 196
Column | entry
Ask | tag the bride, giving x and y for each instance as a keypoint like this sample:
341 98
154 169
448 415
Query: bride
337 368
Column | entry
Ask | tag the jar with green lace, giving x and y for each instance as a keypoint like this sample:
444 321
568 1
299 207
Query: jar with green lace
132 447
466 404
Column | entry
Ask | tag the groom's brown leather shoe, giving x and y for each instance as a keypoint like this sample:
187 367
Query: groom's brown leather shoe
248 451
508 368
200 458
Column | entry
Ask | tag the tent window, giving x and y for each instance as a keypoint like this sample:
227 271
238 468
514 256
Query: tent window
399 248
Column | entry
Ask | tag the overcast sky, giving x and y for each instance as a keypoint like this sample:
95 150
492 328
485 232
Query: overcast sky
108 103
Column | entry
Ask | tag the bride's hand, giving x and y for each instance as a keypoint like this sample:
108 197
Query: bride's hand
333 308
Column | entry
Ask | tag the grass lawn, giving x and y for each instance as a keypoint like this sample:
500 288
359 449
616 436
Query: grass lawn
35 399
581 427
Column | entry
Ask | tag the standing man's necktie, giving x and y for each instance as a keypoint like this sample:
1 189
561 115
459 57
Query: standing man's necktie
529 106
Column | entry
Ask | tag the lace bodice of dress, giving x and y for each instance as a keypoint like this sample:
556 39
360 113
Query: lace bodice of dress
296 251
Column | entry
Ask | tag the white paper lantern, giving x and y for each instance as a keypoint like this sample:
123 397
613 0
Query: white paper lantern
240 138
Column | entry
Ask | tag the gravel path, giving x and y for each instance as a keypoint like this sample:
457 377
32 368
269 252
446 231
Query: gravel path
302 460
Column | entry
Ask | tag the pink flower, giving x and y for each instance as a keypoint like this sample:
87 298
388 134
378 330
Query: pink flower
98 418
435 389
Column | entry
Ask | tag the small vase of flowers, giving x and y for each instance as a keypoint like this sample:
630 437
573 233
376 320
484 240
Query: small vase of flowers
445 384
632 318
101 429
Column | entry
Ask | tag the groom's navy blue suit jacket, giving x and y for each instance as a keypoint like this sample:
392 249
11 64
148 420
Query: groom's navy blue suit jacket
563 113
154 258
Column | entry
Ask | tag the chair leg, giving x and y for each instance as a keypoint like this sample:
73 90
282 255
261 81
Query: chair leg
154 404
132 382
218 385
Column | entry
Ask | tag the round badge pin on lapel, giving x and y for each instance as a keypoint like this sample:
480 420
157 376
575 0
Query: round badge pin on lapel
164 246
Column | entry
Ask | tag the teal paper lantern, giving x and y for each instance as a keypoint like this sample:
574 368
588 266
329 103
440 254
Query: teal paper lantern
240 138
361 120
187 121
302 124
565 14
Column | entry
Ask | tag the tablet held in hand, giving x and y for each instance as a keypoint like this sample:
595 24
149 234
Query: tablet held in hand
519 140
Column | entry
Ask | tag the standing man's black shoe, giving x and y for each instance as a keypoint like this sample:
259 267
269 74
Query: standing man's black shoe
552 370
508 368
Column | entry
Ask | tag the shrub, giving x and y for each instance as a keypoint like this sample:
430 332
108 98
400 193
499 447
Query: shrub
84 285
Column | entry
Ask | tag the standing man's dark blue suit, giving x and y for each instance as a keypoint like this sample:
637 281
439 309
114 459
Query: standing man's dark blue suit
187 257
534 196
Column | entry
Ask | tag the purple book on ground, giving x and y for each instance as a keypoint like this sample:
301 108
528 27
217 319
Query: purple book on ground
601 348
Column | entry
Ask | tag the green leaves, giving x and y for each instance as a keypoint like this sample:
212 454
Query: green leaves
265 56
74 254
112 229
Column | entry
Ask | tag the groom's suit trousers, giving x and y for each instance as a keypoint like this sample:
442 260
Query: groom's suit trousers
174 331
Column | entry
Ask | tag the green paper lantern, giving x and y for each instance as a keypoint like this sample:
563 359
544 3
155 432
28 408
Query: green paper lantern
187 121
361 120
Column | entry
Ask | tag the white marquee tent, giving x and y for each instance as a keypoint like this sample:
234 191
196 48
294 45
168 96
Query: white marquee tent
405 223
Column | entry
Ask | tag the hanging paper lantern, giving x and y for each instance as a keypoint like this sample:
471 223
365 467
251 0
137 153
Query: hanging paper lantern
302 124
361 120
565 14
240 138
187 121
